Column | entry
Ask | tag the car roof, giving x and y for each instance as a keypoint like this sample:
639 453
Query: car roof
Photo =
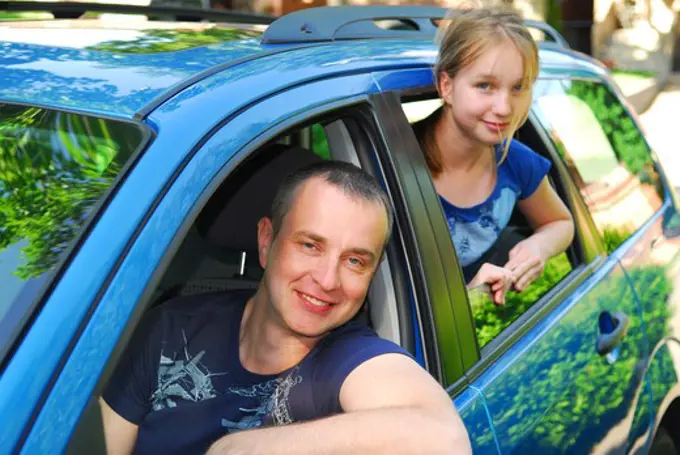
120 68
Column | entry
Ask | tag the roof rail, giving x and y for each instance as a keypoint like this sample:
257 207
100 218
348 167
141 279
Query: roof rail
74 10
330 23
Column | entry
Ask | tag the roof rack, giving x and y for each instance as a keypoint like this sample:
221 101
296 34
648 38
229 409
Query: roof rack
75 10
331 23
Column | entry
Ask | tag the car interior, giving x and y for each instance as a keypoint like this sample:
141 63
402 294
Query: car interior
219 252
420 106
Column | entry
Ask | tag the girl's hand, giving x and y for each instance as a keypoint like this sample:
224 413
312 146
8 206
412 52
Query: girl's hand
496 281
526 262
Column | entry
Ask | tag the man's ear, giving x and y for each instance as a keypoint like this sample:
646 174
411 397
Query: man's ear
445 84
265 238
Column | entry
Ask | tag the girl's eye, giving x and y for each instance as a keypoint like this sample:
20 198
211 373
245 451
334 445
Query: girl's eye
483 86
517 88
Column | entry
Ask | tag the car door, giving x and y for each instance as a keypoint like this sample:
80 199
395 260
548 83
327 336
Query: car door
181 172
541 379
629 199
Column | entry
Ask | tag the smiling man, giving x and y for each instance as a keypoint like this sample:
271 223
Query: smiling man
229 373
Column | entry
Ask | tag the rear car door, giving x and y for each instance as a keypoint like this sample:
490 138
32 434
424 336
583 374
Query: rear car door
534 363
631 203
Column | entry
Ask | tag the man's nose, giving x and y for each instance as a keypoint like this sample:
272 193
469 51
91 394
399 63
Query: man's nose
327 273
502 106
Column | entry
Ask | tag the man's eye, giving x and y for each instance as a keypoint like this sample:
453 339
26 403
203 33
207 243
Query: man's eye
483 86
355 261
308 246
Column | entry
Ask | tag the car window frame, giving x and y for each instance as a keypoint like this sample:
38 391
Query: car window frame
441 292
84 424
30 303
589 252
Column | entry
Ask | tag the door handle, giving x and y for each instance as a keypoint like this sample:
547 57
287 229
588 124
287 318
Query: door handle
613 329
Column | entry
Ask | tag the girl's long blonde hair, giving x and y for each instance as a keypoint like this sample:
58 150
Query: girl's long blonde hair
463 38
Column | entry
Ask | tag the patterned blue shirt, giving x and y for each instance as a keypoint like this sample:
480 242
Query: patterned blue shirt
181 380
475 229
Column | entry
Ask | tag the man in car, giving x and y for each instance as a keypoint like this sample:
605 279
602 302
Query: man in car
228 373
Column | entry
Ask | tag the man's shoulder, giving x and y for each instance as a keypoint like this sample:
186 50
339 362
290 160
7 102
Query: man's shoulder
337 355
356 339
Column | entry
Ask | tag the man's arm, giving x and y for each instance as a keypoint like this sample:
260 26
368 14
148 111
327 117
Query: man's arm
120 434
392 406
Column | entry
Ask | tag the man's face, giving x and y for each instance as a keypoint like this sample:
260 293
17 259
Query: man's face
320 265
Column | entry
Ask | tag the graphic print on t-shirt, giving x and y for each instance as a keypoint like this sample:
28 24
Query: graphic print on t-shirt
272 397
182 379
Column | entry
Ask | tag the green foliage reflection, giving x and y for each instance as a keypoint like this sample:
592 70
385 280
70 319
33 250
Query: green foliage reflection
153 41
491 320
53 168
624 136
561 397
320 142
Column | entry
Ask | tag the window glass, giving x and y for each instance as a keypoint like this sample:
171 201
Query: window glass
605 152
54 167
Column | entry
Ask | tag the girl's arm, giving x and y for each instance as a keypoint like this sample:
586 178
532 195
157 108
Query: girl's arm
553 228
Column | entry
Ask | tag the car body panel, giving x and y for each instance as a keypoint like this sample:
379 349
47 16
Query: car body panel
472 409
103 83
551 392
652 263
74 386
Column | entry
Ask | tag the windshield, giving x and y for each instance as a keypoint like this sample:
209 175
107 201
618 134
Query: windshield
54 168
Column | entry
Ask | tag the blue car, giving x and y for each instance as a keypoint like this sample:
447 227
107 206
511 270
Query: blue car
136 157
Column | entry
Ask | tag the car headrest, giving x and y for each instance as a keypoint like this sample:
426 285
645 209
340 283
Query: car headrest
231 216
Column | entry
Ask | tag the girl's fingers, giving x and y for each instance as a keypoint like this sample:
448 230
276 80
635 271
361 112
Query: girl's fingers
499 298
528 277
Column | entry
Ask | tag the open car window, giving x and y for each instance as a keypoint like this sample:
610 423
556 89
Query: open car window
491 320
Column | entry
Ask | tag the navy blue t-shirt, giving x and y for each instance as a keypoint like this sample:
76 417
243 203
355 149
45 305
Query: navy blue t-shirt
475 229
181 380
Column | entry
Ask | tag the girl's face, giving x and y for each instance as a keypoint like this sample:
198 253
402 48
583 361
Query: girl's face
487 95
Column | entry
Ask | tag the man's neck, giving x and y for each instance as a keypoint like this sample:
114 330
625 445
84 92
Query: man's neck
265 345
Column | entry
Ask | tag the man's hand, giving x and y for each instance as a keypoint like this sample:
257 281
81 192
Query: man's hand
494 280
392 406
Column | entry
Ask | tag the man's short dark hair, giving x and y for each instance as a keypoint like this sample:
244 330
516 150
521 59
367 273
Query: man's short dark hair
354 181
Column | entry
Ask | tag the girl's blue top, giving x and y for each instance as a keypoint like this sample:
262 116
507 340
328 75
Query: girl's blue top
475 229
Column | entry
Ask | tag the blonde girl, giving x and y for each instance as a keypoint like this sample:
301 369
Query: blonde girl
485 70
